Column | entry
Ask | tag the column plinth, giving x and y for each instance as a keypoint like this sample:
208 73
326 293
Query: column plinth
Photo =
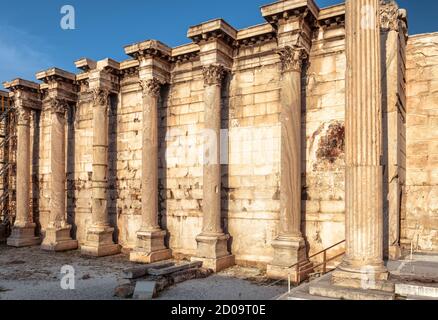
289 246
23 230
99 241
57 235
212 243
150 246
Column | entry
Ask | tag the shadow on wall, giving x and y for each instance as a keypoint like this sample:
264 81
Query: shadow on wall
162 163
385 186
36 171
71 186
225 171
304 182
113 190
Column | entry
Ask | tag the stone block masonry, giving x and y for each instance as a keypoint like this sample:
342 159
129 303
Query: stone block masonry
116 157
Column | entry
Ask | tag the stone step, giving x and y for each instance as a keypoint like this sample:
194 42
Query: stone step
416 289
414 270
323 288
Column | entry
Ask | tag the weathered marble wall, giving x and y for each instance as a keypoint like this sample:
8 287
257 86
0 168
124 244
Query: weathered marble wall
251 143
420 223
323 122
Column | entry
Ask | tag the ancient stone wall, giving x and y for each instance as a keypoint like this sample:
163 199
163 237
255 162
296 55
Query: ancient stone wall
252 119
323 122
420 223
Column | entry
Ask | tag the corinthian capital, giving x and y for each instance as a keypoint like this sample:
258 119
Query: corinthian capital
23 116
100 97
58 106
292 58
151 87
389 15
213 74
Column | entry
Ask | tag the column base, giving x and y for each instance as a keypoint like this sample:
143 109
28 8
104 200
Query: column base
213 252
58 239
23 236
100 243
288 251
394 253
364 278
150 247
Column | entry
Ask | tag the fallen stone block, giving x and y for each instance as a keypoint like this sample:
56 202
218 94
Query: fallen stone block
125 288
145 290
170 270
141 271
189 274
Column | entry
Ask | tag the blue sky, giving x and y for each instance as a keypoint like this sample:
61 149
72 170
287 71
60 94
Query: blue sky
31 38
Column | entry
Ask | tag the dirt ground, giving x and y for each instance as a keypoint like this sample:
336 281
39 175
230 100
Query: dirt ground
30 273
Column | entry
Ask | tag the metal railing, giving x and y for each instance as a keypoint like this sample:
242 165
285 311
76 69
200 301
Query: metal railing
303 267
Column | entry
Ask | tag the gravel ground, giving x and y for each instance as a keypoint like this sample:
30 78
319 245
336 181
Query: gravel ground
29 274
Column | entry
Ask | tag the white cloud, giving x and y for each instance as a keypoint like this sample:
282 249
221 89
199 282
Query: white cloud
21 54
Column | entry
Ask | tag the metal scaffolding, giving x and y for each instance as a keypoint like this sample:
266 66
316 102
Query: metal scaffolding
8 144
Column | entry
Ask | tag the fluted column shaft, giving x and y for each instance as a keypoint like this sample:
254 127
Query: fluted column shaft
100 159
364 216
23 217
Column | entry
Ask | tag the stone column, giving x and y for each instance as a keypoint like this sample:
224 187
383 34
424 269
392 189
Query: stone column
23 231
100 235
363 265
212 242
289 246
150 238
57 235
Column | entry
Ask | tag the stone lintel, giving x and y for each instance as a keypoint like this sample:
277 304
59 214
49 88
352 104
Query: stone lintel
185 52
58 83
85 64
22 84
217 28
55 74
255 34
152 48
185 49
284 9
26 93
109 65
153 57
105 76
332 15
